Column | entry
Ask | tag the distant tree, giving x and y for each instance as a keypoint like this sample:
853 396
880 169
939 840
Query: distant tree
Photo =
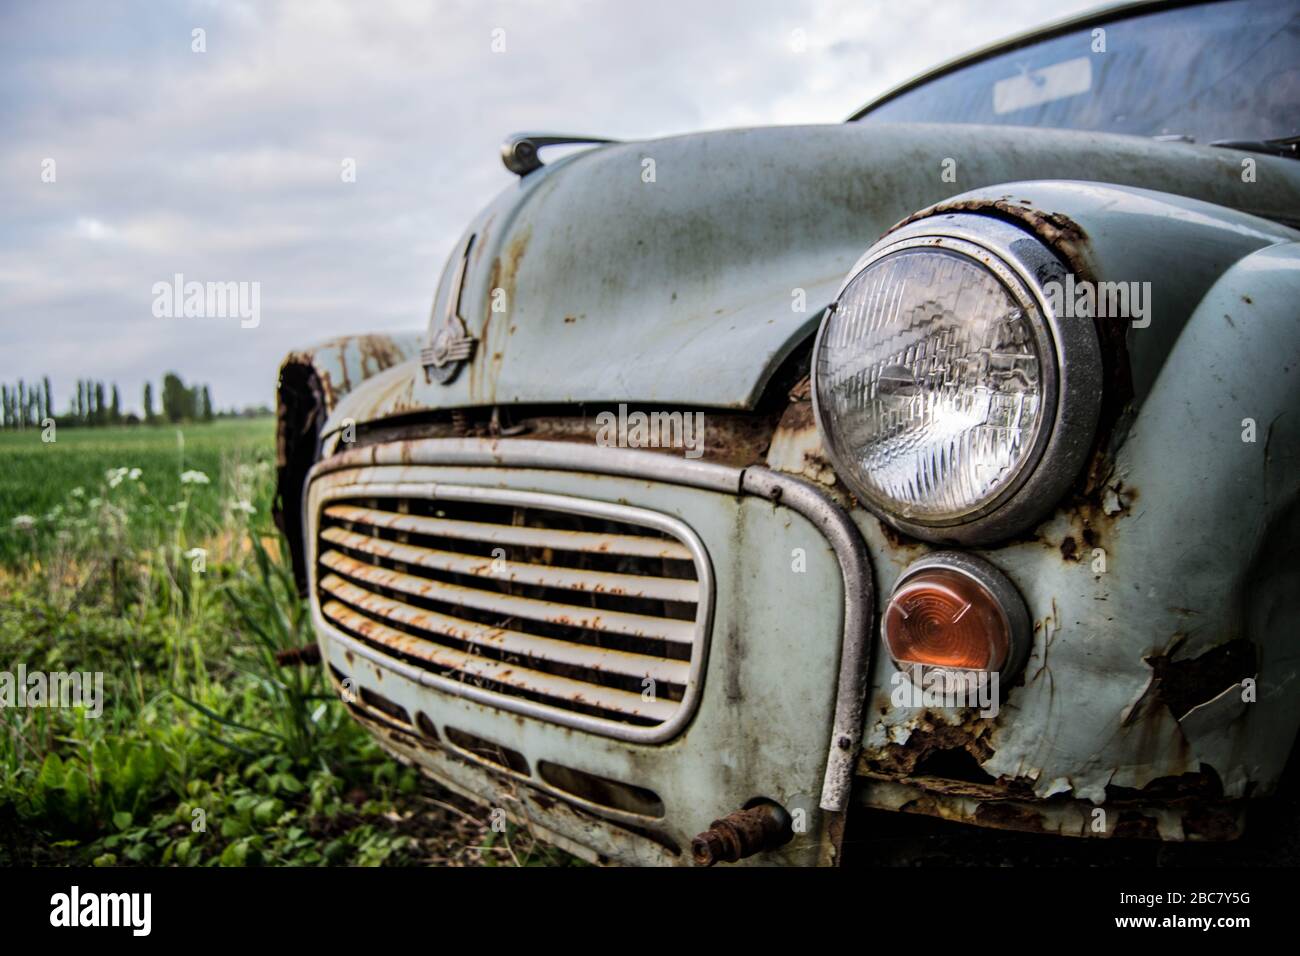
148 402
115 410
49 400
173 397
207 404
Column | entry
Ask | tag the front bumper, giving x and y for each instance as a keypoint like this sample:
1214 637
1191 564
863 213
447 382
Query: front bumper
777 713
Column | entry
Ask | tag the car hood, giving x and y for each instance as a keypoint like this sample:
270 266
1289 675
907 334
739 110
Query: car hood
682 271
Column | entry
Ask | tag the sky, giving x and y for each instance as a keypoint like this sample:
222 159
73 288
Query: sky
128 156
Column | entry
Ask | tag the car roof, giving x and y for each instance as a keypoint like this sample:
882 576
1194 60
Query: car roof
1096 17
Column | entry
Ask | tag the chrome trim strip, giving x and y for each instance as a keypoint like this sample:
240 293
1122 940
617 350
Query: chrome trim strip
481 599
859 607
560 540
530 453
572 580
703 624
546 649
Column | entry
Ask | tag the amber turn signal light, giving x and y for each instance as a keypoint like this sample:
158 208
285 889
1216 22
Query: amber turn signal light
955 611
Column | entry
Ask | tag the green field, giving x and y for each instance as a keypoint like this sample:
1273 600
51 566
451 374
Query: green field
41 479
171 582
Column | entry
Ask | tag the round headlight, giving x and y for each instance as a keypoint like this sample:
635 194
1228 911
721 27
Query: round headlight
948 396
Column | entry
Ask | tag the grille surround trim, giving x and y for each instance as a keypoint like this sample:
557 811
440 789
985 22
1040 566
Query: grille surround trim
627 514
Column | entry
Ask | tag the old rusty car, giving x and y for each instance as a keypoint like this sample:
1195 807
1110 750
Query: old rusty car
993 515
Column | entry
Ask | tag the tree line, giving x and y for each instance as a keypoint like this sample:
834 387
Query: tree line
94 404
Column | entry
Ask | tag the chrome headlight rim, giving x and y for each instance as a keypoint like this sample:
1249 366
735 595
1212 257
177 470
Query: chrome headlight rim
1070 359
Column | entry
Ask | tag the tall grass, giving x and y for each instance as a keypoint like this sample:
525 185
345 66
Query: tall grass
149 556
175 587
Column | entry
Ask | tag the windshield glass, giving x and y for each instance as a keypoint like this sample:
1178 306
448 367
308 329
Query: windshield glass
1226 70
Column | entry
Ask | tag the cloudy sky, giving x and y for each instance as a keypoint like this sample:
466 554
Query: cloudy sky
225 165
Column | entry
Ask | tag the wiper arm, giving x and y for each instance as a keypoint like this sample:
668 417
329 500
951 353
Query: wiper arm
1288 146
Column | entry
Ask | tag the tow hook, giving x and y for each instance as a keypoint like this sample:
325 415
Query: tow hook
743 833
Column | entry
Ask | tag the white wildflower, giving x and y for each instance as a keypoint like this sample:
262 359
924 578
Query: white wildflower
24 522
243 505
115 476
193 478
78 492
179 506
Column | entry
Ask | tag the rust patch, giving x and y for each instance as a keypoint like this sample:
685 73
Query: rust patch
930 737
307 654
1183 684
1058 230
742 834
1202 787
1217 823
1136 826
1009 816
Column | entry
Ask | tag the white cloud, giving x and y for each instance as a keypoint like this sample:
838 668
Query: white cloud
93 229
225 165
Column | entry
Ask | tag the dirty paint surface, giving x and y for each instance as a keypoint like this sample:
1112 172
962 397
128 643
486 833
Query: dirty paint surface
761 728
1131 698
1150 590
687 296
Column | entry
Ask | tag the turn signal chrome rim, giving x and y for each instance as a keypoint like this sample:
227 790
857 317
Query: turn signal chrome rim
957 612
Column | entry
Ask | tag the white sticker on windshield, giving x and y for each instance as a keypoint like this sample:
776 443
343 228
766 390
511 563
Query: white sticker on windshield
1035 87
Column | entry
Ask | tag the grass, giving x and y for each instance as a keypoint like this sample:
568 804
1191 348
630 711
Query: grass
41 479
207 752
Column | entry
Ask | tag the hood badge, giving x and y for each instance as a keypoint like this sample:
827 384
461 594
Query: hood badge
450 344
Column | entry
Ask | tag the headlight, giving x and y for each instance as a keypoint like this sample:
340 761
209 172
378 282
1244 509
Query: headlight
948 396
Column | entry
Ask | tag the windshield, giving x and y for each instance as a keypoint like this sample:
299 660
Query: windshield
1212 71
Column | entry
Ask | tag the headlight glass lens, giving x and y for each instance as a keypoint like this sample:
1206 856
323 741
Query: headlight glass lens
930 385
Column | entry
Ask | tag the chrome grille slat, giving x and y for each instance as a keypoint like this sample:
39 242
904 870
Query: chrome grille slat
540 575
551 612
508 641
586 613
508 675
556 538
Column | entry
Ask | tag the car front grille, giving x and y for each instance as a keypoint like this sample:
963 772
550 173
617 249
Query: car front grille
580 612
